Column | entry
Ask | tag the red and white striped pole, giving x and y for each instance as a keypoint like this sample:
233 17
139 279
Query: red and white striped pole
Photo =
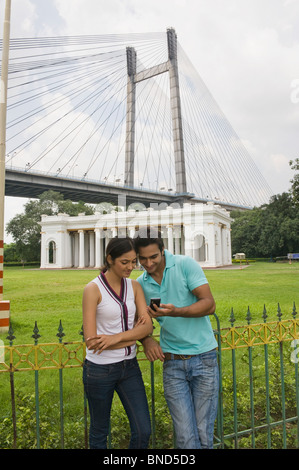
4 304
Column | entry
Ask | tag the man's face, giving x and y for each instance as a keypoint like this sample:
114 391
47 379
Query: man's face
151 258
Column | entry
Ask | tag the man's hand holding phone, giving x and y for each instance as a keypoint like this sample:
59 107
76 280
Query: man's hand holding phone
156 309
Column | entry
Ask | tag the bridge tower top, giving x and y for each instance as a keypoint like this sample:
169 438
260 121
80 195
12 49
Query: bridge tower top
170 66
172 44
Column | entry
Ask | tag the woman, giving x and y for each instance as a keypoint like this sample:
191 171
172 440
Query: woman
114 317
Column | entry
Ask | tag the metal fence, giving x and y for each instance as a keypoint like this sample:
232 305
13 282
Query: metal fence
259 388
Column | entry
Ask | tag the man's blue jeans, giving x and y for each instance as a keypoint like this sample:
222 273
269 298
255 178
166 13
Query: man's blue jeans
191 392
100 382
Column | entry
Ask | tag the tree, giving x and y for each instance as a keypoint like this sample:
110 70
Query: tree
245 231
294 164
25 228
10 253
268 231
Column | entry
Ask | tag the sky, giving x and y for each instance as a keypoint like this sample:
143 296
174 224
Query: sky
246 52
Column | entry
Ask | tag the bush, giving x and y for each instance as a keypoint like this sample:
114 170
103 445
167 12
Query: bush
49 426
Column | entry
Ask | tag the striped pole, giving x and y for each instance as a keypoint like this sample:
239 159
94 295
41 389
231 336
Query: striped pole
4 304
4 315
1 269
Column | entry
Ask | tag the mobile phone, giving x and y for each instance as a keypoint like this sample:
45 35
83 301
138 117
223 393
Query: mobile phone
156 302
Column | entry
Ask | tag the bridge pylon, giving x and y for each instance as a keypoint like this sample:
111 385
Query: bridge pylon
171 66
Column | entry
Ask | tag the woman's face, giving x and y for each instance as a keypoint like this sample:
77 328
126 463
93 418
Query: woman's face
124 264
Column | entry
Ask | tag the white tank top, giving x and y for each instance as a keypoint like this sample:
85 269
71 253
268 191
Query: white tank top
114 314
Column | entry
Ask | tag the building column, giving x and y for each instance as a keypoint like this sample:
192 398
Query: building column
177 240
223 244
218 242
98 248
106 241
43 258
81 249
212 244
226 246
182 252
76 249
91 249
206 251
68 250
229 247
170 238
188 242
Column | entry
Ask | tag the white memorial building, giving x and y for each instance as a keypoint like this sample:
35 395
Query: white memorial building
201 231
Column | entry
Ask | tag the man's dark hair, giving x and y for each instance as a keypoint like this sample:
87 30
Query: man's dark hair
148 236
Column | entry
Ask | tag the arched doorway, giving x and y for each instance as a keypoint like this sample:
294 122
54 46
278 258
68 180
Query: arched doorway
199 249
52 252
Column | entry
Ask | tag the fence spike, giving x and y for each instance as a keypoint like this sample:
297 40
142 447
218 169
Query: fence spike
294 313
36 334
60 333
248 315
265 316
279 312
232 317
81 333
10 336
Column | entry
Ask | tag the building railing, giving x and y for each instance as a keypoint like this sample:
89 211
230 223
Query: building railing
259 384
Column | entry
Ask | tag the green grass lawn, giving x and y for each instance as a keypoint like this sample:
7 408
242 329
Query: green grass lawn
53 295
257 285
46 297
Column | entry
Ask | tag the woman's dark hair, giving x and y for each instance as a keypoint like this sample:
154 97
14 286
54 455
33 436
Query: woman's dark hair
116 247
148 236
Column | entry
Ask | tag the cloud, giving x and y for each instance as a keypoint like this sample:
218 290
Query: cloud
279 162
23 18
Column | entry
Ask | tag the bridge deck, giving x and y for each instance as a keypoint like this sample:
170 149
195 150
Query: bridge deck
22 183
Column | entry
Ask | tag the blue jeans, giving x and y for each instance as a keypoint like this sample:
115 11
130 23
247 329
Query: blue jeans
191 392
125 378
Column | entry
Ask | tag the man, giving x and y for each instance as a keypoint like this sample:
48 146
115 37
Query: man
187 343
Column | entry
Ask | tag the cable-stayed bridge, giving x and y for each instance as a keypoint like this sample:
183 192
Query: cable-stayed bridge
95 117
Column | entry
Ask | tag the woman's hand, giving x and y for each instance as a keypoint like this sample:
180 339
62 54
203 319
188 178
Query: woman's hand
99 343
140 321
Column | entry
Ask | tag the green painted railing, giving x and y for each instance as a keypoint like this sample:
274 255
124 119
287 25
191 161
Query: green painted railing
259 385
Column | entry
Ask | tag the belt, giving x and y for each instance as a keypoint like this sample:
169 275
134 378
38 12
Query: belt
182 357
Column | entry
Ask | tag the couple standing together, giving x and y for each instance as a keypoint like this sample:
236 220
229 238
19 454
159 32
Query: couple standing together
116 313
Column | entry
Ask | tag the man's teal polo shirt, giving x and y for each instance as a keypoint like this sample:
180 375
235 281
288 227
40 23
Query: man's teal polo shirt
180 335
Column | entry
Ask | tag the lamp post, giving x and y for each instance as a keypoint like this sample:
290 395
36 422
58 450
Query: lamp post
4 305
